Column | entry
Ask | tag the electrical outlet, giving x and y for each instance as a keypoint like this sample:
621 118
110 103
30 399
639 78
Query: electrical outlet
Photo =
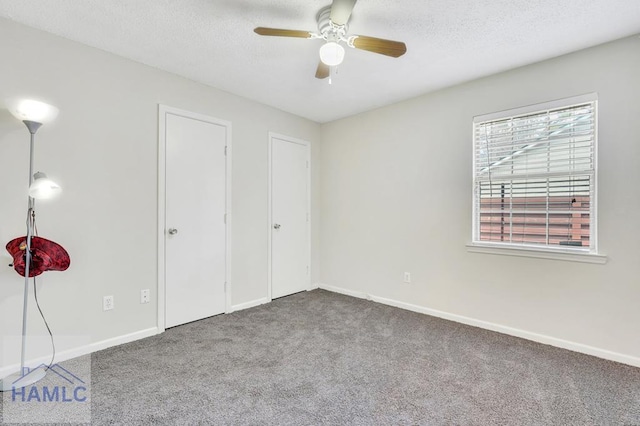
107 303
145 296
407 277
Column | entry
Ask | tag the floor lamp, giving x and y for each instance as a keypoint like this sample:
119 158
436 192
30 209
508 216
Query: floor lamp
33 114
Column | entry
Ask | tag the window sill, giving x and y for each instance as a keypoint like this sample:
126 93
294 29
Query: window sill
537 253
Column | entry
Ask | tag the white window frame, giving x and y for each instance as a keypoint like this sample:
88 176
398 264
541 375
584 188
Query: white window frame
582 254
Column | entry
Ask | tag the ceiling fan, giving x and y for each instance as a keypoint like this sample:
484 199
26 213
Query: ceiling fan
332 28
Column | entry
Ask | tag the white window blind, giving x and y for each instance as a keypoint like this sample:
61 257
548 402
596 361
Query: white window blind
534 178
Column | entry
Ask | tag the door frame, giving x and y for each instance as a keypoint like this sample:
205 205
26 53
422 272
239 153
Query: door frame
307 144
163 111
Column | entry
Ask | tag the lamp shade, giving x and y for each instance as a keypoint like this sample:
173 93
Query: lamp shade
32 110
43 188
331 53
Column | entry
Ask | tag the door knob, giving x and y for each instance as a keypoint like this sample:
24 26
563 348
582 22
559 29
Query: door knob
276 226
173 231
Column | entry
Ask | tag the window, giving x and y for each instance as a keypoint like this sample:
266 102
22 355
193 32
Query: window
535 177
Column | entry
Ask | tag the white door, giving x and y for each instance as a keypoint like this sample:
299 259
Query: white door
195 228
289 227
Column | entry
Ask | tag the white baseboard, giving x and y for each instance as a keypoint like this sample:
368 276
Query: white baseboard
540 338
344 291
82 350
250 304
262 301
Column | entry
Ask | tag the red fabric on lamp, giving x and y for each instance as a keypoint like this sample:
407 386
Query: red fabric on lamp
46 255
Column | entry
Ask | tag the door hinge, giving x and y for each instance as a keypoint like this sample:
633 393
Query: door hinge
225 150
225 286
307 217
225 218
307 164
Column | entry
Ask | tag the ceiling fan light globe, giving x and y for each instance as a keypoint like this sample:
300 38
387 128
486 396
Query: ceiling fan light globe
332 53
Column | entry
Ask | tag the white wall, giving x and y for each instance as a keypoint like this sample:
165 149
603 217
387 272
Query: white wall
102 149
396 196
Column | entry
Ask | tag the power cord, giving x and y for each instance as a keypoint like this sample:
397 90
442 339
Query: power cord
53 345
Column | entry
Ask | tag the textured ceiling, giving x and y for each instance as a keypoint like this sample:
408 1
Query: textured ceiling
448 42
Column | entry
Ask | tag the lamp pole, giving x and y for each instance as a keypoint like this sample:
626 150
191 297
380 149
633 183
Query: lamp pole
33 127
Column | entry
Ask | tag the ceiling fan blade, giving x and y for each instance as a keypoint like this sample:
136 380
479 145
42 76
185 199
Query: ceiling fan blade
380 45
282 33
323 70
341 11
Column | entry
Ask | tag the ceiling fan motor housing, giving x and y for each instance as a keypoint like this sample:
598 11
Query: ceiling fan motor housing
329 30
